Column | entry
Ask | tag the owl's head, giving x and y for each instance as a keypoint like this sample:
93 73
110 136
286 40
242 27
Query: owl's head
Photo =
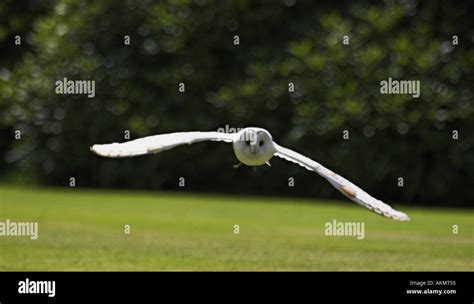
254 146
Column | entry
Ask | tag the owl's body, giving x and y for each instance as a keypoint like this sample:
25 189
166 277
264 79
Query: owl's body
252 147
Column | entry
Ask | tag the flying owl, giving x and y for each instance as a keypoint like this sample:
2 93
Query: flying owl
252 147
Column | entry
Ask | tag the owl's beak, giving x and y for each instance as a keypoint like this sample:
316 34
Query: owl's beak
253 149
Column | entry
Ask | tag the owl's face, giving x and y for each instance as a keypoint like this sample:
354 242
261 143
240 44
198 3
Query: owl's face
254 146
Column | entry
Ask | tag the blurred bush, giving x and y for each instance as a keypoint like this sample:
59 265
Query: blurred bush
336 88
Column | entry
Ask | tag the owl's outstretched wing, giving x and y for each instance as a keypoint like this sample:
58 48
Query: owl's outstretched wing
347 188
158 143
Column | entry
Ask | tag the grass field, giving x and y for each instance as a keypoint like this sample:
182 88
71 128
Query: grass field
84 230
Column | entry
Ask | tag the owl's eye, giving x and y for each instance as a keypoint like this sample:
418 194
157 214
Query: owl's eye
260 143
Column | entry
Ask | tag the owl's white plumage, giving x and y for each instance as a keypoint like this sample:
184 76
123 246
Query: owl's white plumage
158 143
252 147
347 188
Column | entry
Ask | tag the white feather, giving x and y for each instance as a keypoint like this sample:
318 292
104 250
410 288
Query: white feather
347 188
158 143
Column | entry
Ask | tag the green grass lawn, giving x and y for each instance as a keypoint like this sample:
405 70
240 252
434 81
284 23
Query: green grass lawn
84 230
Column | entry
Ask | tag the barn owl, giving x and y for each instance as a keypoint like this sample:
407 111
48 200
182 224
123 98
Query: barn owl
252 147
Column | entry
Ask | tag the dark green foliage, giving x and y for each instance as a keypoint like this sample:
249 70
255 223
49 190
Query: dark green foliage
336 88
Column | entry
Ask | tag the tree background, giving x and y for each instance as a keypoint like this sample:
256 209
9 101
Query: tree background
337 88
